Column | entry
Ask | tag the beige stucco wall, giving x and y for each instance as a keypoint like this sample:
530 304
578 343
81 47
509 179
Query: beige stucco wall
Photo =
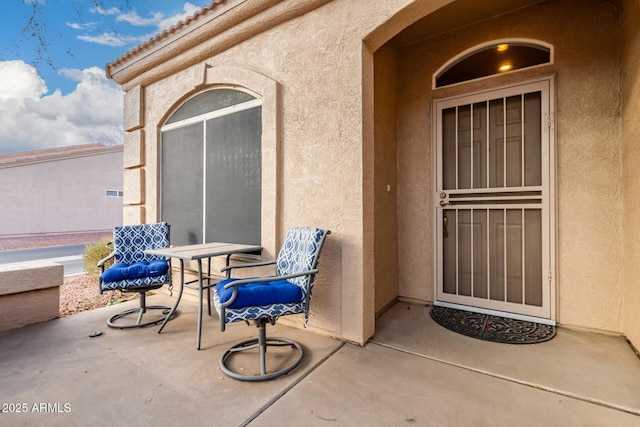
316 62
320 67
385 184
589 276
630 107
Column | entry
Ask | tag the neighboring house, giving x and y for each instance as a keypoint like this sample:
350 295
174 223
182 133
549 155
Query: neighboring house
61 190
478 154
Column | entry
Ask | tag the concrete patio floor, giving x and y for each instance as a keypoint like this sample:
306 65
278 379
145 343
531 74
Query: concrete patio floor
414 372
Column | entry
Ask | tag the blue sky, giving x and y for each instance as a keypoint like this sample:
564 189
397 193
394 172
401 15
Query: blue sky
55 93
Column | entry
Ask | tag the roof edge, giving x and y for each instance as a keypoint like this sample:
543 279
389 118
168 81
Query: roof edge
179 30
236 22
56 154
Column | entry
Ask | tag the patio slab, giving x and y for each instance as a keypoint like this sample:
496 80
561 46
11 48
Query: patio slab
412 372
416 372
136 376
379 386
594 367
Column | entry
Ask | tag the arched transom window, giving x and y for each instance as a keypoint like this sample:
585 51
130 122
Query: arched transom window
492 58
211 169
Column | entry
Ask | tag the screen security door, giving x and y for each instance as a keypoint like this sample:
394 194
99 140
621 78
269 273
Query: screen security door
494 203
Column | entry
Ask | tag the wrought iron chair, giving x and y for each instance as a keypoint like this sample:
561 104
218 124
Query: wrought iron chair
264 299
135 271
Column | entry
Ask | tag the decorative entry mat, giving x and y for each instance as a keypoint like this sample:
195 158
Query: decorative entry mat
492 328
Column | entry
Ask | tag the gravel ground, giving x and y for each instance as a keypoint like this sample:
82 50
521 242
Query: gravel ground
80 293
77 293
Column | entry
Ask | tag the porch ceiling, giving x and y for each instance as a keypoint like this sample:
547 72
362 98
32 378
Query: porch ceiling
458 14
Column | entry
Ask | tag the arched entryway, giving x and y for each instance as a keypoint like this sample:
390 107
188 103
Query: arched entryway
401 158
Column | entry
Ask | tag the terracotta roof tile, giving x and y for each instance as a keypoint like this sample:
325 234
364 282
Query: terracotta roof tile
206 10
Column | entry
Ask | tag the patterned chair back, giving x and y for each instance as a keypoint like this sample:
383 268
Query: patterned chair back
300 252
130 241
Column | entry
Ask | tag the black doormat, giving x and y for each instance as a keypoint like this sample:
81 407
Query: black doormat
492 328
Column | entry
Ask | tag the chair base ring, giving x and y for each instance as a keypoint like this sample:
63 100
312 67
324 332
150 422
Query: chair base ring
140 311
254 343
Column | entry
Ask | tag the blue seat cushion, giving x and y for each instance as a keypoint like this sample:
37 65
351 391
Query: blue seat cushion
260 294
138 270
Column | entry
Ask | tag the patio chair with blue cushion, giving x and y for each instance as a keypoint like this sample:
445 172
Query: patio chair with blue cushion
264 299
135 271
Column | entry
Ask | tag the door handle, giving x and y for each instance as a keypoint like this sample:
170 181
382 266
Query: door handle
445 222
443 199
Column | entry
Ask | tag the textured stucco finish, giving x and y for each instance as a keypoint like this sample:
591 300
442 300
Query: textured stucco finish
588 127
134 109
134 186
631 165
318 63
385 182
24 286
134 149
334 146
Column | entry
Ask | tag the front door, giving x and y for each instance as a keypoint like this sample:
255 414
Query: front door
494 202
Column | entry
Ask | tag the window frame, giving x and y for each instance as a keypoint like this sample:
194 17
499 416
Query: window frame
483 46
203 118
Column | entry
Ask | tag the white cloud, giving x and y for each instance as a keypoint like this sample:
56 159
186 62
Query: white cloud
113 39
105 12
188 8
136 20
157 20
30 120
19 80
85 26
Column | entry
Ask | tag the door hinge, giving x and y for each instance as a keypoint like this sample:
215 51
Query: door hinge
549 276
548 120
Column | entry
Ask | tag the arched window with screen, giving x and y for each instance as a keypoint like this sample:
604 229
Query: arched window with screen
211 169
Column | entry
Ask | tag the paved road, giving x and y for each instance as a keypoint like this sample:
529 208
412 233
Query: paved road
69 256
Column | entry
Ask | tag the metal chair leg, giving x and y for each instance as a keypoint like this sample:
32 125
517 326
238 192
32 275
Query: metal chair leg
141 310
262 342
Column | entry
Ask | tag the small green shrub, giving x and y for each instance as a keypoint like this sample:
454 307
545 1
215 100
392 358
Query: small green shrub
94 253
